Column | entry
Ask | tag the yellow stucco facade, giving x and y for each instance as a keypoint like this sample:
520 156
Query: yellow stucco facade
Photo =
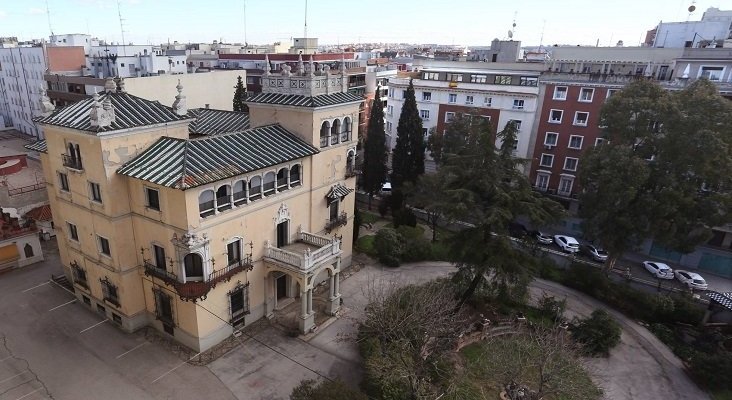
289 238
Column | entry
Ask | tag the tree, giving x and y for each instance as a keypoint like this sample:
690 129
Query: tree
408 157
239 94
535 364
406 333
663 173
598 333
375 153
325 390
485 186
428 195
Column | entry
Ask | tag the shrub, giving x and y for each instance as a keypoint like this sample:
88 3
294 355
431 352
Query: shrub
548 269
325 390
712 370
356 223
404 216
365 244
552 308
389 246
598 334
417 250
384 206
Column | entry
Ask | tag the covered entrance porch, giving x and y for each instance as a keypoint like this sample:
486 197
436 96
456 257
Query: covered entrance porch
293 273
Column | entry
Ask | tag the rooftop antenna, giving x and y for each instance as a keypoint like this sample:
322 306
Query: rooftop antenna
541 38
48 14
246 43
305 33
513 26
121 27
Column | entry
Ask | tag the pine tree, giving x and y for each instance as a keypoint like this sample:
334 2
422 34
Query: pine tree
408 157
239 93
375 154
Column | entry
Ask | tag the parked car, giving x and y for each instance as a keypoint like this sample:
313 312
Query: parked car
517 230
594 252
542 237
659 270
692 280
567 243
386 188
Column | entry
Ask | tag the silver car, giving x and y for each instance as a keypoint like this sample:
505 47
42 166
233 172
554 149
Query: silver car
692 280
659 270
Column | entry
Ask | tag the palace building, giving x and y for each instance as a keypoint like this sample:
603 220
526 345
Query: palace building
198 222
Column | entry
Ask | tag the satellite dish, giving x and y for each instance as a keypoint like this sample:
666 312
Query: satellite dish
510 34
692 8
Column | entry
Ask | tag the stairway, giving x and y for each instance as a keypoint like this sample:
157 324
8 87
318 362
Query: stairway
63 281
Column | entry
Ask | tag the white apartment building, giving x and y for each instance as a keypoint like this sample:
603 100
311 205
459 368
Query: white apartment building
499 92
715 25
21 83
132 61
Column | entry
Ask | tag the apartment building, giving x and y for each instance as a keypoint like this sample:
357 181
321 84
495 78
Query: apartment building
498 92
200 236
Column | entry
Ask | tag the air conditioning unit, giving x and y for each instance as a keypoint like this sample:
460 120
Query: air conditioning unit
548 146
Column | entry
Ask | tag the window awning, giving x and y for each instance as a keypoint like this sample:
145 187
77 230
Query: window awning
9 253
338 191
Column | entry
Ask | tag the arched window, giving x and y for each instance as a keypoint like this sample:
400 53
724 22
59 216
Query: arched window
194 267
324 133
269 183
346 131
206 203
223 198
282 179
335 132
240 192
255 188
28 250
295 175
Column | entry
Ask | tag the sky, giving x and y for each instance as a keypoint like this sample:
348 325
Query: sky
459 22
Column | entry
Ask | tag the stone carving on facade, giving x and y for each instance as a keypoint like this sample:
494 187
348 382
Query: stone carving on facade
189 240
110 85
101 114
311 72
286 70
283 214
46 106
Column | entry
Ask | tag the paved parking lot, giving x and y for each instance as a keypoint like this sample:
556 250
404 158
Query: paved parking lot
52 347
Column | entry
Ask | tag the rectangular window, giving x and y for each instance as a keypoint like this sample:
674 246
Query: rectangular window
570 164
565 186
73 233
551 139
468 99
104 246
542 181
425 114
517 123
449 116
432 76
452 98
487 101
233 252
547 160
153 199
333 211
586 95
575 142
63 181
388 126
426 96
555 116
455 77
95 192
404 94
159 254
611 92
560 93
518 104
239 303
600 141
502 80
109 292
528 81
478 78
580 118
711 73
389 110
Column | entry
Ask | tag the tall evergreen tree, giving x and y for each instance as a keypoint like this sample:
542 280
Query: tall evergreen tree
375 153
407 161
484 185
239 93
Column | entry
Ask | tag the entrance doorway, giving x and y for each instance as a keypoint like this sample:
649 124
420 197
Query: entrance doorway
281 286
282 234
